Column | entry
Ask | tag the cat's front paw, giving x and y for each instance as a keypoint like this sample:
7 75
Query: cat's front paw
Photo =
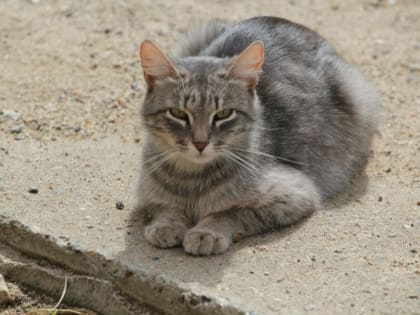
204 242
165 234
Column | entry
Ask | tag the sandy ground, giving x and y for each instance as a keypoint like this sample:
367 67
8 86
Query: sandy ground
71 69
69 73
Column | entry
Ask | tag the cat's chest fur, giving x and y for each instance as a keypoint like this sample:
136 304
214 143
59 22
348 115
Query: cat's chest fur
200 194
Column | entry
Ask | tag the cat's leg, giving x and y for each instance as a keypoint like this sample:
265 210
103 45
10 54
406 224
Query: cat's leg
165 227
283 197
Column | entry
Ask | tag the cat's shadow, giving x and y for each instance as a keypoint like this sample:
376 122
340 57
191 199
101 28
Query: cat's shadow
209 271
355 190
176 264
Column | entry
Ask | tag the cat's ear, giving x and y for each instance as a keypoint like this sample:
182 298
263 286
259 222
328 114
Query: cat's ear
156 65
248 64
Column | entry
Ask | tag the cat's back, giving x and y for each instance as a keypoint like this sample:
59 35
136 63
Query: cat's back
294 55
275 32
318 110
281 37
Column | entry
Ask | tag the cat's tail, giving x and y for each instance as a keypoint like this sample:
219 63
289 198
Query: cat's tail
194 42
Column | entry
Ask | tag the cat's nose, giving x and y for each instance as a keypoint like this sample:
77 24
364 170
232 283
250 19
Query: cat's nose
200 145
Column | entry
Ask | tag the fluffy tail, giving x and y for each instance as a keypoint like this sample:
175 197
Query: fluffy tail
193 42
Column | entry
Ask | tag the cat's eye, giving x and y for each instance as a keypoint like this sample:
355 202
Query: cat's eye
178 113
223 114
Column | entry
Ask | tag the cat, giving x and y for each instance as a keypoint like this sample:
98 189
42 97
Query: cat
247 128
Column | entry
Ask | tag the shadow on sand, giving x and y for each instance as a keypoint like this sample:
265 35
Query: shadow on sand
208 271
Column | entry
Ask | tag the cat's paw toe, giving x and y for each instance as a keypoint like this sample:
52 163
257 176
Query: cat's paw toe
165 234
204 242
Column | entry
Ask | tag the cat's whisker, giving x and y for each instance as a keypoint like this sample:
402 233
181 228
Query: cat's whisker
244 156
270 156
159 162
267 129
249 159
183 85
158 165
240 164
154 157
245 163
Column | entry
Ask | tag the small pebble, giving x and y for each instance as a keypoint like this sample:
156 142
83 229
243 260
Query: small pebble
266 273
119 205
388 170
11 114
414 251
380 198
313 259
136 87
129 273
16 129
309 307
155 258
33 190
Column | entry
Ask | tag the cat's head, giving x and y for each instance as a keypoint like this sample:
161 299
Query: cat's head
200 108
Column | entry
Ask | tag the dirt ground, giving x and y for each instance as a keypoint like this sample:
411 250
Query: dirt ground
70 70
25 300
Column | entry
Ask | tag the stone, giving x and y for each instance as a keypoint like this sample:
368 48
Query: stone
4 292
16 129
11 114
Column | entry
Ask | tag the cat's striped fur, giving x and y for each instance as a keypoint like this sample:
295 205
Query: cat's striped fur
291 141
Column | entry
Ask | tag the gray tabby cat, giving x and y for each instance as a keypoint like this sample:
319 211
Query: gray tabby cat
248 128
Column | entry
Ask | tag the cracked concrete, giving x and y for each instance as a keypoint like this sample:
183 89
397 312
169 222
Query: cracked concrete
344 258
82 290
86 251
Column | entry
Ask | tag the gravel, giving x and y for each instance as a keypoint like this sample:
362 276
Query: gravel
11 114
119 205
16 129
33 190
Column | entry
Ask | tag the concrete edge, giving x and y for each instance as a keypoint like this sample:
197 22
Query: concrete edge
143 286
84 291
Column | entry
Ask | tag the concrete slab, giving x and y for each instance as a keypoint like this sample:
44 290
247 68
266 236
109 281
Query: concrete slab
359 254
